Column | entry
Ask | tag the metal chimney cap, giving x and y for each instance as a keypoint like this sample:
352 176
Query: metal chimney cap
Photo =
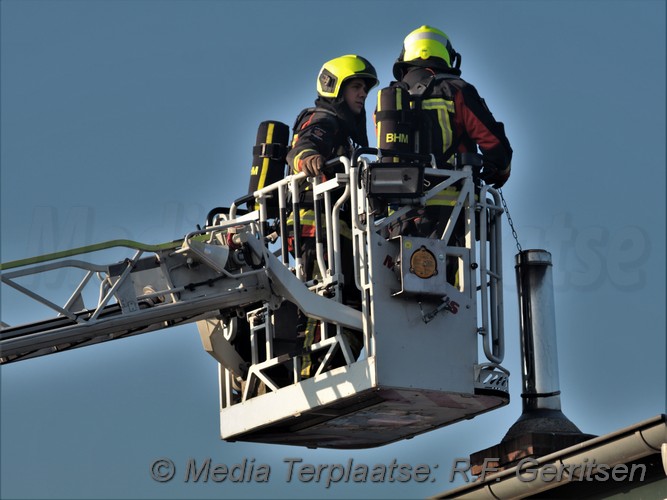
528 257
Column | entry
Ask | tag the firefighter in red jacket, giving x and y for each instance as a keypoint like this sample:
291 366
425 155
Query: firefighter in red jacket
453 118
333 128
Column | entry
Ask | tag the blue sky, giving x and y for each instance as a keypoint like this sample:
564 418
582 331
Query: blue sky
131 119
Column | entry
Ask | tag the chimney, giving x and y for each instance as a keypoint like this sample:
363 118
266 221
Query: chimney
542 427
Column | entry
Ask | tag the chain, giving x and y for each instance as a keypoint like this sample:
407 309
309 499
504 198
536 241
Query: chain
510 221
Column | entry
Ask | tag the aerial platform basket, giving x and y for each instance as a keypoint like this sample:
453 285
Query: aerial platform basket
422 324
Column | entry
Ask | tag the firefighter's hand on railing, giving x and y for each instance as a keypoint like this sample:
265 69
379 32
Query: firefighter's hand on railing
491 174
312 165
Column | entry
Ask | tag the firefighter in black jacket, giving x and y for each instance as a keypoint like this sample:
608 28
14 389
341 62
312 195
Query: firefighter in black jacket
337 123
333 128
452 119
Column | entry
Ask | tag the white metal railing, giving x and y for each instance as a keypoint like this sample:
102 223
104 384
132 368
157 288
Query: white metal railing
490 275
287 196
474 204
481 208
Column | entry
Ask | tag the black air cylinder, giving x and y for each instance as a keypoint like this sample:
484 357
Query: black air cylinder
268 157
393 123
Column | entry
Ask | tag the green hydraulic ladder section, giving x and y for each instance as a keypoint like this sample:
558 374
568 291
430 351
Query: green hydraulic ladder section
112 317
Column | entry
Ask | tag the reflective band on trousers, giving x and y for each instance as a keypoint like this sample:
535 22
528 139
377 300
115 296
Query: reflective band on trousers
447 196
307 218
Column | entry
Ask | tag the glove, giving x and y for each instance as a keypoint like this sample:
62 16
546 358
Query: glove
496 177
312 165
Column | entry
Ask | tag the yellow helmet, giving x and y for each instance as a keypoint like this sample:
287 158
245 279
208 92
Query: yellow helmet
335 72
426 43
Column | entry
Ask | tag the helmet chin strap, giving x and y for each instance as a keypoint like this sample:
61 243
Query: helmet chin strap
456 60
